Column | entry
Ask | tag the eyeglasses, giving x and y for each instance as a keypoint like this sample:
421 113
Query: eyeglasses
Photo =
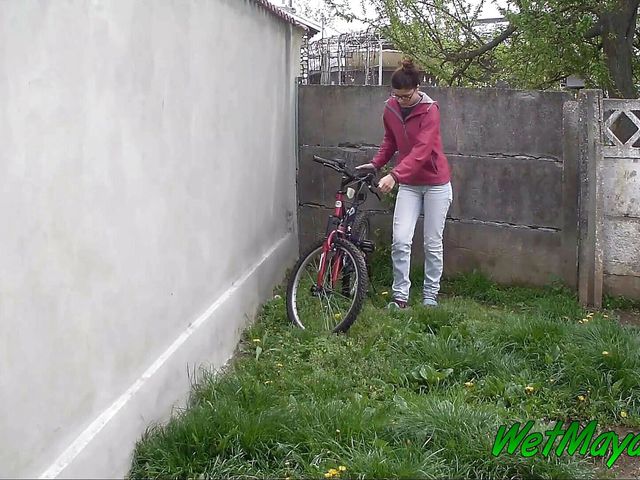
403 97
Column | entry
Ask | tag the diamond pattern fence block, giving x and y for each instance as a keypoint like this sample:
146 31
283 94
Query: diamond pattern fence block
621 128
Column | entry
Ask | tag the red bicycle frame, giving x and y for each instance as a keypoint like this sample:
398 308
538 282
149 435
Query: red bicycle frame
337 260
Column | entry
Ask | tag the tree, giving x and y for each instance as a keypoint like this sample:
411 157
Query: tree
315 10
539 43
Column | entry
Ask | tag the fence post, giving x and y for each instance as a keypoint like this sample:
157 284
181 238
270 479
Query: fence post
590 200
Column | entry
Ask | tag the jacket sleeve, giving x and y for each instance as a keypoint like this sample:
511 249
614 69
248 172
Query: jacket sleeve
387 149
422 149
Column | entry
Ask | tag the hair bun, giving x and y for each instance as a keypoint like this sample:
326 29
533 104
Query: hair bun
406 76
407 64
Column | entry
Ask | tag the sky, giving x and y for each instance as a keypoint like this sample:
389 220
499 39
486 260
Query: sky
342 26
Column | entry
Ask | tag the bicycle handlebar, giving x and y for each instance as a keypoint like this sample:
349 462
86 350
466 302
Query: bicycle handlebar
341 167
335 164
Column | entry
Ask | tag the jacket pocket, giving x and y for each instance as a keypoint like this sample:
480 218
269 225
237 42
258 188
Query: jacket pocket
433 162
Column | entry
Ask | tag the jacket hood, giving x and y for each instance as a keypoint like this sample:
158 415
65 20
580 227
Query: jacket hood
394 106
424 99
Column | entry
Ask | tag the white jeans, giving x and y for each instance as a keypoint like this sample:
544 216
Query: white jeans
434 201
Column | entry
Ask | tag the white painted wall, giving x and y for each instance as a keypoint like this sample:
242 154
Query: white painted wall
147 205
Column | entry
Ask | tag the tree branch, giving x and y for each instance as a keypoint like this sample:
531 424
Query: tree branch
465 26
594 31
486 47
458 73
424 22
633 18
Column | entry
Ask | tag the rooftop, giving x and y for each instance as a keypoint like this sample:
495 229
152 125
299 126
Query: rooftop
289 16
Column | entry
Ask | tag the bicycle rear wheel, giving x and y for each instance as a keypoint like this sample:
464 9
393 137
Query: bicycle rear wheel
333 303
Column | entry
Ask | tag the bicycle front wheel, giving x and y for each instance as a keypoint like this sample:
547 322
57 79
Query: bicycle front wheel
331 300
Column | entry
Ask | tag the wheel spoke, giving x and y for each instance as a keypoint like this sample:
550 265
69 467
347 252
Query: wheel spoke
321 307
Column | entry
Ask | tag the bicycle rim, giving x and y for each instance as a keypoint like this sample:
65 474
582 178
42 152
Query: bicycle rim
326 307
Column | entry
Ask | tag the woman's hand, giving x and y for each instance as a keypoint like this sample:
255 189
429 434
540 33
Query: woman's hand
386 184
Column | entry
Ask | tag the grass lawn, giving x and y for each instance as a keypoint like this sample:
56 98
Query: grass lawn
416 394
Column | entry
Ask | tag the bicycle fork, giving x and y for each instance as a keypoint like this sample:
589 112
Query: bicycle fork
336 264
337 260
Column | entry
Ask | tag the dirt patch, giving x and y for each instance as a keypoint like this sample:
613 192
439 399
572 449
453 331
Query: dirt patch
628 317
626 467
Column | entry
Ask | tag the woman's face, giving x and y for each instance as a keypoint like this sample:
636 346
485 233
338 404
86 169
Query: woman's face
405 96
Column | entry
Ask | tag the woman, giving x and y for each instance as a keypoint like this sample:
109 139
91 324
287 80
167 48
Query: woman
412 128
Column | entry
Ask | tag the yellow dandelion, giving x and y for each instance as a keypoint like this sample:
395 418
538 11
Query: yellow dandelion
338 316
256 340
327 475
333 471
342 468
581 398
468 384
605 353
623 414
529 389
384 293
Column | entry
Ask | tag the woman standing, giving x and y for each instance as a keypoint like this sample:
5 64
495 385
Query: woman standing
412 128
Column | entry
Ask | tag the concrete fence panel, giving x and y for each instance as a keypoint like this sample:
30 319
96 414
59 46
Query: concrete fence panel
514 156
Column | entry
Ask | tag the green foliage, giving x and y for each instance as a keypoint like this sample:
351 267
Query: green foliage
544 41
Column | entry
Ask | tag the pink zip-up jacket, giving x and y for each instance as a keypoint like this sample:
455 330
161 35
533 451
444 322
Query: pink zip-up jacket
421 159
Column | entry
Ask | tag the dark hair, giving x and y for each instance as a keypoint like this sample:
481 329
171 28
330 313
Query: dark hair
406 76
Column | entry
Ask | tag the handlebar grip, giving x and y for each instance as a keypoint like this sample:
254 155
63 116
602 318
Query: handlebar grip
330 161
367 166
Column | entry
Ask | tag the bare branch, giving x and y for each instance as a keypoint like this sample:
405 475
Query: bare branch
486 47
465 26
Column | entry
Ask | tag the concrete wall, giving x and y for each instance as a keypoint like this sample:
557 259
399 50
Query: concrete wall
514 156
619 172
148 153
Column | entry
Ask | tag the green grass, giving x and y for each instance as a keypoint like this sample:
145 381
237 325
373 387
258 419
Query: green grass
414 394
621 303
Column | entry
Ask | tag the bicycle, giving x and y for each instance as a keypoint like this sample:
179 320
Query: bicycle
327 287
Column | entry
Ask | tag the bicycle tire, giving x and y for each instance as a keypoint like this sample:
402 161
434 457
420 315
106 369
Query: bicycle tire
357 258
361 230
361 227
